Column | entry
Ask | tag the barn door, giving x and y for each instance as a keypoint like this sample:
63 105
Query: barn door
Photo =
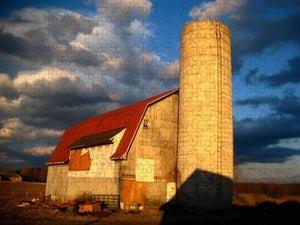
134 192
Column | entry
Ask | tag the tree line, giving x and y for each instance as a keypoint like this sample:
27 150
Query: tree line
27 173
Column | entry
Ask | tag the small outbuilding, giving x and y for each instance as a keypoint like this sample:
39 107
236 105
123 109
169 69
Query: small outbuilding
16 178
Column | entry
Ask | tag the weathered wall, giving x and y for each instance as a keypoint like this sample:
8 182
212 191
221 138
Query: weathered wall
102 177
57 180
152 156
205 141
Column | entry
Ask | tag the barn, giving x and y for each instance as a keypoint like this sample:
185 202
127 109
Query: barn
175 147
130 151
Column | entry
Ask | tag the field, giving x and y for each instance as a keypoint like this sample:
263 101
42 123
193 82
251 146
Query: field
253 204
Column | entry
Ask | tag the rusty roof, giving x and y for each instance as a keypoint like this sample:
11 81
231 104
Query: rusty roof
95 139
128 117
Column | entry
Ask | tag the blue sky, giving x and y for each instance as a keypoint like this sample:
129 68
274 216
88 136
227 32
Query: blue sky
64 61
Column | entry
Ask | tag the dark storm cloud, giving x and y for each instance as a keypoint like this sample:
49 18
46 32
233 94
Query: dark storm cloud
253 137
265 131
62 25
48 115
46 37
288 105
260 25
28 50
288 75
6 87
265 155
250 77
13 156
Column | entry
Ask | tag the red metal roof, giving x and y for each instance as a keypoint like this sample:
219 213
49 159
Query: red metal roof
128 116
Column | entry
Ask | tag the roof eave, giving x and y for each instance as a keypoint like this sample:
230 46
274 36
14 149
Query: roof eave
52 163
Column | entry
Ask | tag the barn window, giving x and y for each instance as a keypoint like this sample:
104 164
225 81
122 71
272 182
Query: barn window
146 123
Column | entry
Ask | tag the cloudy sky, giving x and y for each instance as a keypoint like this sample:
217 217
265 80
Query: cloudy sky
64 61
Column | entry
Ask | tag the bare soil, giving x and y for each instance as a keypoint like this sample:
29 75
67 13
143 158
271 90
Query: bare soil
48 213
6 186
248 208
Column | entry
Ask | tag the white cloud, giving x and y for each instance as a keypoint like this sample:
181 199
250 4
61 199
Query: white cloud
39 151
121 8
146 58
171 71
49 75
216 9
78 45
292 143
139 29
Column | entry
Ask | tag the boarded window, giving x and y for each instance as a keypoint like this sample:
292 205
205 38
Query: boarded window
80 160
145 170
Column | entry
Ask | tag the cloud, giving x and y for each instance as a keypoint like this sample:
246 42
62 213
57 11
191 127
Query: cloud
261 139
171 71
253 25
30 31
250 77
6 87
14 129
289 105
289 75
256 140
60 87
53 25
123 12
39 151
216 9
139 29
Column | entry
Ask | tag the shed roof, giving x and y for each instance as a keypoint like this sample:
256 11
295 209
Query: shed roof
128 117
95 139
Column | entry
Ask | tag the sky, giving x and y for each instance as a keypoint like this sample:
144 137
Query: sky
62 62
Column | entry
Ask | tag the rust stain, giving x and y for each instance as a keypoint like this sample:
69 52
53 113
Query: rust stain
79 162
124 175
134 192
171 176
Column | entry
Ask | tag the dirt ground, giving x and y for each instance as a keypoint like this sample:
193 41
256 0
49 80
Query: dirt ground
247 209
6 186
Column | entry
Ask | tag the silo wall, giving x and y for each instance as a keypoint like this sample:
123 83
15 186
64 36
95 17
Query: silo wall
205 135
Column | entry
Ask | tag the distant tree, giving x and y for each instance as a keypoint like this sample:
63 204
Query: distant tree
25 172
34 174
6 173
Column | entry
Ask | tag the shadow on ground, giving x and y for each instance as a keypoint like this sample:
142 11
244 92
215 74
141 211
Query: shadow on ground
264 213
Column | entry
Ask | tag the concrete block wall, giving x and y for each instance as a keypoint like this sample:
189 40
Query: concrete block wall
157 142
57 180
61 185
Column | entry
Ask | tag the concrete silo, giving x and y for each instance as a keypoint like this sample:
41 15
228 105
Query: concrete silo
205 135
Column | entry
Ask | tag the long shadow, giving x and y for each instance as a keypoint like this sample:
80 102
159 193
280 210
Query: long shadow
202 191
206 198
287 213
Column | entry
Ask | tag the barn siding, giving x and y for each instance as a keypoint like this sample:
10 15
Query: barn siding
57 180
157 142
